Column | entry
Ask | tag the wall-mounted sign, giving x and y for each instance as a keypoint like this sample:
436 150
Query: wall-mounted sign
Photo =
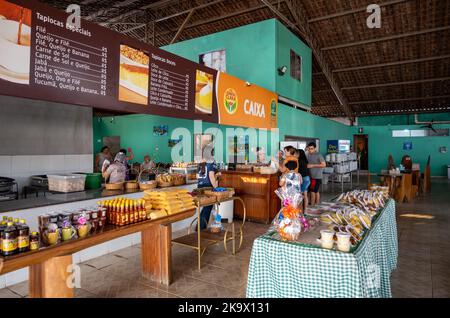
407 145
42 57
241 104
332 146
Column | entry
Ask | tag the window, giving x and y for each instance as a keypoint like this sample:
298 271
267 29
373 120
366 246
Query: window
215 60
420 133
296 66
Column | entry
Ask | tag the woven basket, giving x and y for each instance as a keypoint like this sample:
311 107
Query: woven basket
257 169
242 167
179 182
131 185
205 199
162 184
221 195
148 186
114 186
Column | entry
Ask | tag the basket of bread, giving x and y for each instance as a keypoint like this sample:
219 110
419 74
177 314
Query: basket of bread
164 180
220 193
178 179
114 186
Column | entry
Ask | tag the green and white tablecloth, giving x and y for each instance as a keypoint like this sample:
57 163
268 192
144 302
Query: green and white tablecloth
281 270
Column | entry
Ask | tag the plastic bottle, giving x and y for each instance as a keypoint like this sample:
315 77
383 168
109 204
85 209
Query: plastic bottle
23 240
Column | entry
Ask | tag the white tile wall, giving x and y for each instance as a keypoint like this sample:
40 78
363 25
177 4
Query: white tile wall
16 277
5 166
22 167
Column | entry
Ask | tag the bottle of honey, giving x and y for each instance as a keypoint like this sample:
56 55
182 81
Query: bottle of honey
23 239
9 240
136 211
142 210
2 228
129 212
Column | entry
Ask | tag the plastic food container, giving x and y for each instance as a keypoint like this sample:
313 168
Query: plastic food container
66 182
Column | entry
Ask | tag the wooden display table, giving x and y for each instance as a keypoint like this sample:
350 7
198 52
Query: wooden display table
257 192
49 265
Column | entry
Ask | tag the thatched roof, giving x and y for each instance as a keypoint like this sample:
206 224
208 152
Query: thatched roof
403 67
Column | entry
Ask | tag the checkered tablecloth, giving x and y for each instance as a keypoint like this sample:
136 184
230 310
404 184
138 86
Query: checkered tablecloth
282 270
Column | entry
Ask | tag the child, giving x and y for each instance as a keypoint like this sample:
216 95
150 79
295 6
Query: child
291 180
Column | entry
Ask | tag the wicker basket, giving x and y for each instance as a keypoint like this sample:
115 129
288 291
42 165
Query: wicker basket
178 182
257 169
162 184
131 185
205 199
221 195
114 186
148 186
241 167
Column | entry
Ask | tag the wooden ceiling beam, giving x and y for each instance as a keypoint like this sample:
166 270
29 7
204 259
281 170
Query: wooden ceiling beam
386 38
215 19
365 67
298 12
182 26
429 80
379 101
361 9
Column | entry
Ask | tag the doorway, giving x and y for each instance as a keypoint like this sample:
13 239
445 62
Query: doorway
361 144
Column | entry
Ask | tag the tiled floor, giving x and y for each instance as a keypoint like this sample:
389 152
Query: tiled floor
423 264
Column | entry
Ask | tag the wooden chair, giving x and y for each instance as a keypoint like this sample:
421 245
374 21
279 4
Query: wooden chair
427 177
415 184
404 190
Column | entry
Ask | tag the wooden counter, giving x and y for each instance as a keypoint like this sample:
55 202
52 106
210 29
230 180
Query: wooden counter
257 191
49 265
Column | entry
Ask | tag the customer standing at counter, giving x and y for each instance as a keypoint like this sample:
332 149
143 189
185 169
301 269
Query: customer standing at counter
304 172
207 177
104 154
316 164
115 172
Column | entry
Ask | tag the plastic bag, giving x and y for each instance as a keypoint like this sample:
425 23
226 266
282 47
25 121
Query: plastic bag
288 222
215 224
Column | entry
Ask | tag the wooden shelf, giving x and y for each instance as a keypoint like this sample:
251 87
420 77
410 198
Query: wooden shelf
15 262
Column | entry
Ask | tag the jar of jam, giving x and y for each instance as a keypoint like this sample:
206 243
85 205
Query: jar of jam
64 217
94 225
34 241
75 217
101 223
44 220
53 217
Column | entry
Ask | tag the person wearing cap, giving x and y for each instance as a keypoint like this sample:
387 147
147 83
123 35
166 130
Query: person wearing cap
116 172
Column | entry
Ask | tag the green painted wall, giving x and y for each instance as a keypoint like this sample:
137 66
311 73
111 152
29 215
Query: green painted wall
286 85
136 131
254 53
250 51
382 144
401 119
295 122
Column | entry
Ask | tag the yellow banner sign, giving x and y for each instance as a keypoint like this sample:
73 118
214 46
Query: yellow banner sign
245 105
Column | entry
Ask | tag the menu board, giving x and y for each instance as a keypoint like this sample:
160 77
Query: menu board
44 57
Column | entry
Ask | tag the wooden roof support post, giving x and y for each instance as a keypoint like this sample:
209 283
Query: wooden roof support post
296 9
182 26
